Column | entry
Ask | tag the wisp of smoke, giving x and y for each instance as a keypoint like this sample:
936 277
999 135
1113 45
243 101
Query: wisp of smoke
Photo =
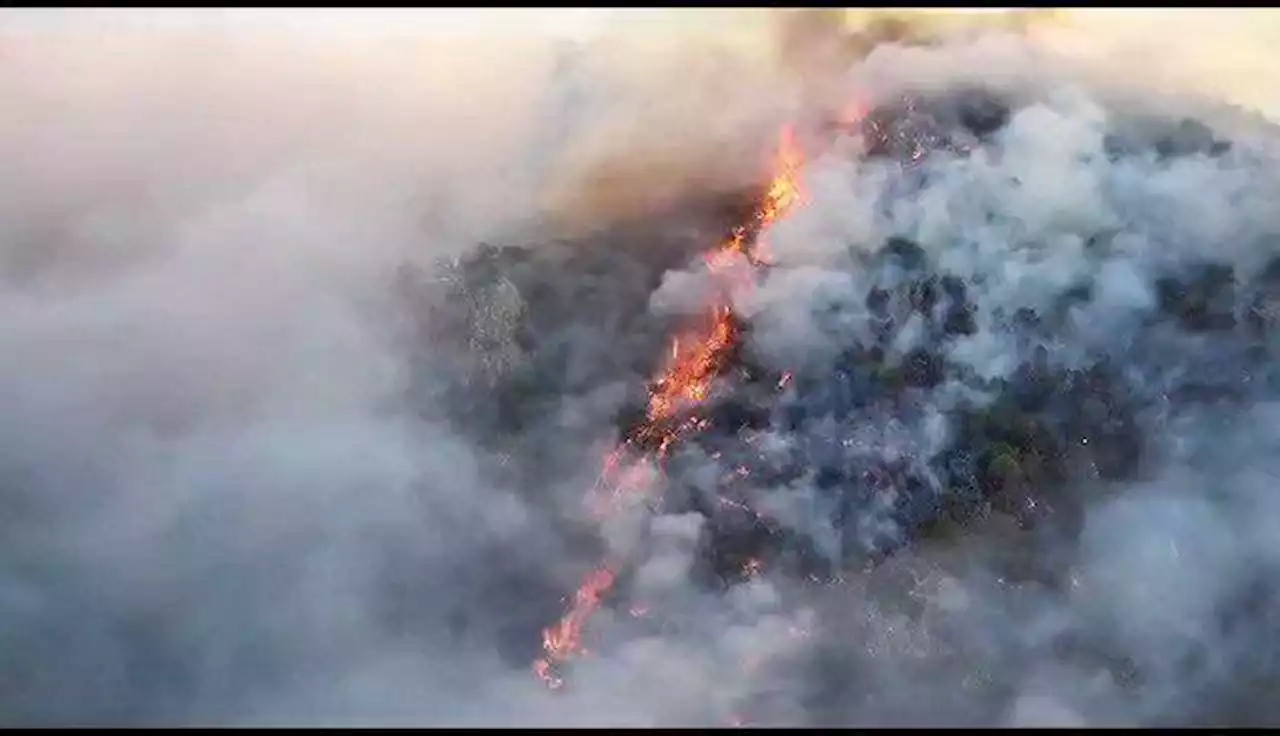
313 340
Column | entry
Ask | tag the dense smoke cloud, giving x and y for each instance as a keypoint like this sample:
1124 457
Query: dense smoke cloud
264 459
1068 201
219 506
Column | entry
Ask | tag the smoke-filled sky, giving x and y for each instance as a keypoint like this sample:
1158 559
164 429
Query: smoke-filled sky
230 489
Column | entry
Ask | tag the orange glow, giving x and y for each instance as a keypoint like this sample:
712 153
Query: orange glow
695 360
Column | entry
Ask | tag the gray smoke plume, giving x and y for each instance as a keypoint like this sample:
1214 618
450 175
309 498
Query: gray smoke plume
313 340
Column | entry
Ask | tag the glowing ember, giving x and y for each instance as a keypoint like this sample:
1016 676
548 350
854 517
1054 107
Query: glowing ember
695 361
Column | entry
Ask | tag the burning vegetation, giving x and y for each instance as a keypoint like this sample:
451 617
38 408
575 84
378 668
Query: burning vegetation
793 369
697 360
897 438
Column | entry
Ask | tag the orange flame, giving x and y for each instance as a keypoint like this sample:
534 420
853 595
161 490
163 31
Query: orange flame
696 359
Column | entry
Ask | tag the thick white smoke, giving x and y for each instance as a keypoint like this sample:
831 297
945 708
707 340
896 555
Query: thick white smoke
1160 565
218 506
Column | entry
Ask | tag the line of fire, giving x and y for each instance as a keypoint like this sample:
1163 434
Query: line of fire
697 358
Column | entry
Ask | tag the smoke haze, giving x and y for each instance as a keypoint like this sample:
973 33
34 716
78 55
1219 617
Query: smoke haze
241 483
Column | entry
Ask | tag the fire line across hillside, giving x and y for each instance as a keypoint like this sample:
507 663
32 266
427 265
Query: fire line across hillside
576 326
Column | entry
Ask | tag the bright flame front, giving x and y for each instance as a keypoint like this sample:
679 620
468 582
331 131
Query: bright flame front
696 360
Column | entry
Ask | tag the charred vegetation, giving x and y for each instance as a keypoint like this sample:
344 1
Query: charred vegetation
1015 444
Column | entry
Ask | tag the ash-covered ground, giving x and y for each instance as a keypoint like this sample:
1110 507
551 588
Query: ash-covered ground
313 346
